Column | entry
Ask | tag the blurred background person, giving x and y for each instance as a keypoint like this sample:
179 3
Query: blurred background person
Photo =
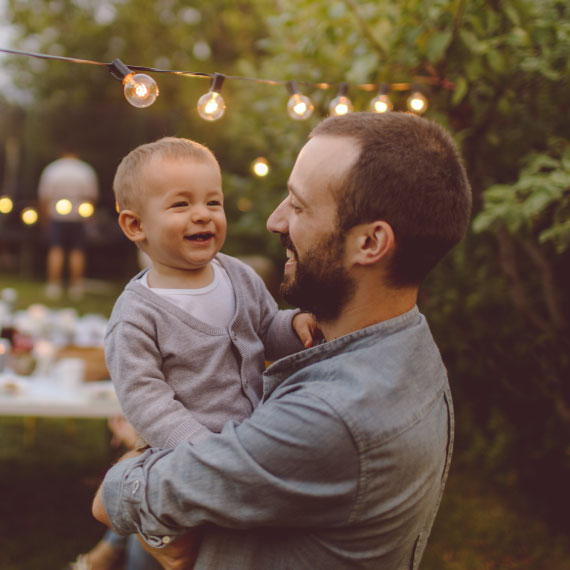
65 185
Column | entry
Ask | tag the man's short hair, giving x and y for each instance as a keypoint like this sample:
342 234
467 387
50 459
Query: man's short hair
128 184
410 174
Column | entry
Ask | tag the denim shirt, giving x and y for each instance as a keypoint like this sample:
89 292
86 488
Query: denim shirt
341 466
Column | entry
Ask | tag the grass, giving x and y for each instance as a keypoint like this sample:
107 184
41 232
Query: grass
50 468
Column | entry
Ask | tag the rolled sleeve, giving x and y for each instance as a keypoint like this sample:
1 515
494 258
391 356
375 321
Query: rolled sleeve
124 495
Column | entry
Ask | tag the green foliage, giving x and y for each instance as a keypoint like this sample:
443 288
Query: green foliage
537 204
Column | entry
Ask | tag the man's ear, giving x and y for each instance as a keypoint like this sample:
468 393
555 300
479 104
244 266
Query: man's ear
131 225
374 241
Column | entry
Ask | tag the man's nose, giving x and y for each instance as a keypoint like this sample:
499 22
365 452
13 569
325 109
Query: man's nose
277 221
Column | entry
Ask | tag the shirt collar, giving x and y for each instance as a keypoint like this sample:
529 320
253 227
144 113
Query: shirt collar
285 367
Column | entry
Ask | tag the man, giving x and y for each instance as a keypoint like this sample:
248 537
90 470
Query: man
344 462
64 186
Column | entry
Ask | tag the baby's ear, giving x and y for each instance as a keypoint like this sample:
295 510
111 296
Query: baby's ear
131 225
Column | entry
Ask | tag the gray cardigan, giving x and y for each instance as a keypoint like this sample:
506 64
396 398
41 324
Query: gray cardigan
178 378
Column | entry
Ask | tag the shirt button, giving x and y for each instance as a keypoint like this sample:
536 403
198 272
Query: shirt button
166 539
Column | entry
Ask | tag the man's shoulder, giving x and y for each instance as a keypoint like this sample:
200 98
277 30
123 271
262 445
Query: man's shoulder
369 379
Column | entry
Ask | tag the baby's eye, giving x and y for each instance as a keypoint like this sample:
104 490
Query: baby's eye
214 203
180 204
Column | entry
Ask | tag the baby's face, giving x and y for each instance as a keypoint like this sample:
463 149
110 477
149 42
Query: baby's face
182 216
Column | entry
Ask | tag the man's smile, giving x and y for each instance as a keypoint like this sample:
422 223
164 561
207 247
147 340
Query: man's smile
290 249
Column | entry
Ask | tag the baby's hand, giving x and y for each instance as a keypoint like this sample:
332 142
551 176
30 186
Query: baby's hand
306 328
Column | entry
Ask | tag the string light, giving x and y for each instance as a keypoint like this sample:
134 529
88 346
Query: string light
29 216
140 89
211 105
381 103
260 167
416 102
6 204
341 104
86 209
299 106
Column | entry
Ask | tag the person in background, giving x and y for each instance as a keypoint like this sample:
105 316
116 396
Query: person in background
65 186
344 462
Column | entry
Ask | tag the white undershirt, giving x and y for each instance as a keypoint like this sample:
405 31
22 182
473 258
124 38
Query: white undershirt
214 304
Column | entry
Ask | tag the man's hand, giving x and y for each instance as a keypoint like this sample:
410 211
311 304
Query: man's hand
180 554
306 328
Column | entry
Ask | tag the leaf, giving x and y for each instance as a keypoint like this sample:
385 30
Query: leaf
499 193
460 90
496 60
559 234
536 203
561 179
566 160
540 162
482 222
472 42
437 44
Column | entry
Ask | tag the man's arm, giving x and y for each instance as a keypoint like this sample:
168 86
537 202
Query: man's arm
279 467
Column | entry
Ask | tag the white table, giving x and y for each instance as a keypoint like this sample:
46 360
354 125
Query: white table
40 396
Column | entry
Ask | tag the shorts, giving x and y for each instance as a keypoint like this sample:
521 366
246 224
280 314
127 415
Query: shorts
69 235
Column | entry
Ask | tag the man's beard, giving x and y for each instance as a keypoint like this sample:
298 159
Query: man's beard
321 285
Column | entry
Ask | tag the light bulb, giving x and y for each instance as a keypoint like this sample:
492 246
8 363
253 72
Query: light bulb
140 90
341 104
211 105
63 207
6 204
260 167
86 209
29 216
299 106
381 103
417 103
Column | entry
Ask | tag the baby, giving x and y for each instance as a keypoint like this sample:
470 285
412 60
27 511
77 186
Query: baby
188 338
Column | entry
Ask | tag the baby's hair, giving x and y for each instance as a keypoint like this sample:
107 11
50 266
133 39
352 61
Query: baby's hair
127 183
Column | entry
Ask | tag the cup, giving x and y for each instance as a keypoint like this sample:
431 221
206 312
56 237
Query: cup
69 372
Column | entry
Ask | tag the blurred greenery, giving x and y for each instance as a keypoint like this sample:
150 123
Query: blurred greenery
496 73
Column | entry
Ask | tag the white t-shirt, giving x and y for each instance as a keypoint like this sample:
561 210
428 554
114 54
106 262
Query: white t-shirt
214 304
